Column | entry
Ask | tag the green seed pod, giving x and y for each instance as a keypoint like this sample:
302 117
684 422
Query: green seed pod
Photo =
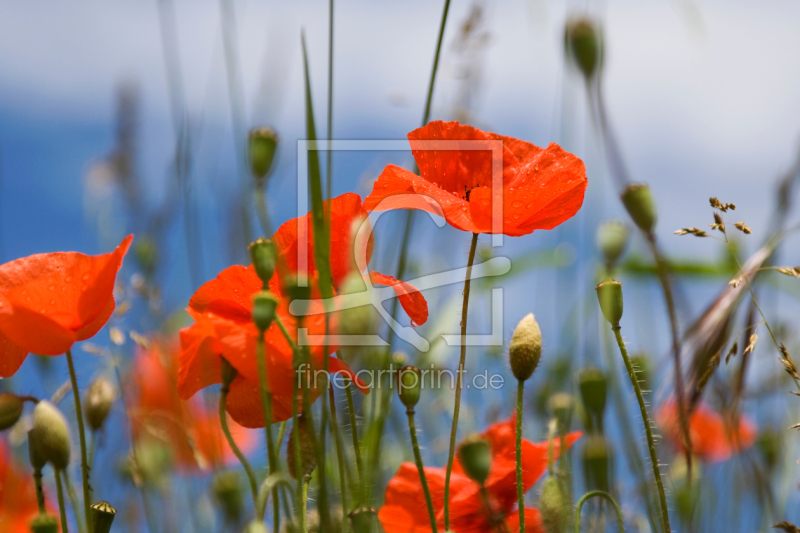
11 407
102 516
609 294
97 402
476 458
638 201
584 45
226 488
264 305
592 383
49 437
261 147
364 520
612 239
553 506
409 386
308 458
561 406
596 458
264 255
44 523
525 349
228 373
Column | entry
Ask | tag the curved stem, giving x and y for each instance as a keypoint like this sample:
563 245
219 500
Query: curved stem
601 494
428 100
87 491
339 457
412 429
72 496
223 422
266 407
459 379
520 488
648 431
61 508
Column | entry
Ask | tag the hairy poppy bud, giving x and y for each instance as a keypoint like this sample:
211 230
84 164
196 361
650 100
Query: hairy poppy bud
584 45
638 201
11 407
227 490
609 294
596 456
264 305
49 437
99 398
364 519
553 506
44 523
475 457
525 348
228 373
592 383
612 239
561 406
261 146
263 254
102 517
409 385
255 527
308 458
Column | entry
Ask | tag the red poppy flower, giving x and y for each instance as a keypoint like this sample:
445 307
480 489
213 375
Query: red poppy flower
713 438
50 301
190 430
404 510
541 187
17 495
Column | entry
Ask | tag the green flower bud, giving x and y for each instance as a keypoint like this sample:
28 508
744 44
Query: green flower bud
475 457
44 523
409 385
359 320
609 294
228 373
49 437
261 147
264 255
592 383
638 201
596 458
264 306
525 349
227 490
308 458
584 45
97 402
102 516
11 407
561 406
364 520
612 239
255 527
553 506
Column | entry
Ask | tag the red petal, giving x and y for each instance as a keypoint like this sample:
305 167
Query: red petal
11 357
411 299
199 364
533 521
229 294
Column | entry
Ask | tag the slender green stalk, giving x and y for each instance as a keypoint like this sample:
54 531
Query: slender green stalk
520 488
37 481
339 457
497 521
329 174
354 432
87 492
266 407
298 466
306 481
601 494
223 422
261 209
648 431
72 496
428 100
412 429
92 444
61 507
459 380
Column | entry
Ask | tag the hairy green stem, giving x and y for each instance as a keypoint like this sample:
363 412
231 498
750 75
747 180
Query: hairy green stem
520 488
223 422
72 496
339 457
261 209
37 481
306 481
61 507
266 407
601 494
354 432
87 492
412 429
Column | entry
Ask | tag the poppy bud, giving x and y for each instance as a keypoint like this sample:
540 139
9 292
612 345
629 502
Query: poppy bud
49 437
263 254
584 45
525 348
261 146
553 506
297 287
228 373
255 527
612 238
99 397
308 458
44 523
592 383
409 385
475 457
11 407
264 305
561 405
595 457
102 516
638 201
227 490
364 520
609 294
358 320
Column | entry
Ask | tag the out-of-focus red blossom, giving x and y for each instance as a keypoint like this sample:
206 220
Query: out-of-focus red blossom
542 187
713 438
50 301
223 325
191 430
17 495
404 510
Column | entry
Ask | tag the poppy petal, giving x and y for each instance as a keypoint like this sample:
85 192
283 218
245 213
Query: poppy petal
11 356
34 331
411 299
229 294
533 521
90 330
199 358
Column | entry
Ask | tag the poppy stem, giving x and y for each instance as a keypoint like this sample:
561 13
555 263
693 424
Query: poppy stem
412 429
339 457
459 379
354 432
73 501
87 491
648 431
266 407
298 466
306 481
37 481
61 508
601 494
520 488
223 422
